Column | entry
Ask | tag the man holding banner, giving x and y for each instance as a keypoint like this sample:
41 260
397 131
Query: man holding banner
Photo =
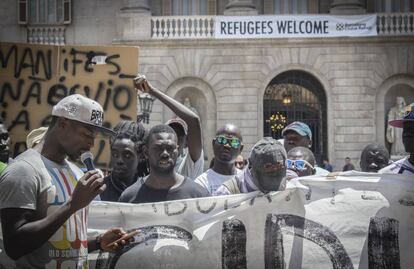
44 197
405 165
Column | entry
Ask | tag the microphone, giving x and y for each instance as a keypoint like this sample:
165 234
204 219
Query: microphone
87 159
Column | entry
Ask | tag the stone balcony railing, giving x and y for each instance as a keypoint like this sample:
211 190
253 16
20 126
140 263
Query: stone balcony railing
196 27
395 24
179 27
50 35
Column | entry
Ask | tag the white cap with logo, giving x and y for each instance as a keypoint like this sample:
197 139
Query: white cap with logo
80 108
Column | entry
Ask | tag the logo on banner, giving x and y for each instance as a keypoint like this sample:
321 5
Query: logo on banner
352 27
340 27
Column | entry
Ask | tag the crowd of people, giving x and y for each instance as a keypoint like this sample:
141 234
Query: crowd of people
43 193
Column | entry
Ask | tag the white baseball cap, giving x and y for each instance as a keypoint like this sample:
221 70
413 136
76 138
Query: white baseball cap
80 108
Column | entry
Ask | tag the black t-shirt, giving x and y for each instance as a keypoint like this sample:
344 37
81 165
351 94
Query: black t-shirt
139 192
112 191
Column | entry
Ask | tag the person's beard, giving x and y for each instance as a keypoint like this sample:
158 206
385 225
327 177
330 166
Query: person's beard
163 170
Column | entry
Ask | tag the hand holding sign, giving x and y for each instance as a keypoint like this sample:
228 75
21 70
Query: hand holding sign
116 238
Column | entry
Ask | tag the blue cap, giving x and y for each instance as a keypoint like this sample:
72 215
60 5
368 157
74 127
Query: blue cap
408 116
300 128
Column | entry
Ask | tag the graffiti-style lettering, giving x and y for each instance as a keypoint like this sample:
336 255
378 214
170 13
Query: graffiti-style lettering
146 233
383 246
21 119
35 78
233 244
34 92
168 212
310 230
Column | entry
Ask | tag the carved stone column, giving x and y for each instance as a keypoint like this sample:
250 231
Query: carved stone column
240 8
133 21
347 7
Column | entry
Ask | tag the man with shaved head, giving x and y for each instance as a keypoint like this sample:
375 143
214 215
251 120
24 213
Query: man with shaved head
373 158
227 145
266 171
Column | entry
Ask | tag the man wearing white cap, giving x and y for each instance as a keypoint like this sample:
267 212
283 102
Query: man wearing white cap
44 196
404 166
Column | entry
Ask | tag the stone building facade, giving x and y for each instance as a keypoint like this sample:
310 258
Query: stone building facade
343 87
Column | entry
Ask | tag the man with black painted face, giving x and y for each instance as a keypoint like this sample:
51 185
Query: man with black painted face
404 166
127 159
266 171
227 145
4 146
373 158
297 134
163 183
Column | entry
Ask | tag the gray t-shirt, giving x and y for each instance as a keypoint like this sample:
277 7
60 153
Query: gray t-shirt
36 183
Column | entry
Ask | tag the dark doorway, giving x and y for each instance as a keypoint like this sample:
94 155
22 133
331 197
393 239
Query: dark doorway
296 96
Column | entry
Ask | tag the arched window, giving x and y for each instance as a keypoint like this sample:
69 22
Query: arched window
296 96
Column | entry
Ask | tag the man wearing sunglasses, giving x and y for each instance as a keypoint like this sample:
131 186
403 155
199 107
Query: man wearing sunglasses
227 145
266 171
302 161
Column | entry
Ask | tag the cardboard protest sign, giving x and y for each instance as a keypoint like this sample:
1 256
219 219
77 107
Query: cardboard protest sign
33 78
356 220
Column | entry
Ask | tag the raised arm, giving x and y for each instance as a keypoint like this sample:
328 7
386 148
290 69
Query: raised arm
194 138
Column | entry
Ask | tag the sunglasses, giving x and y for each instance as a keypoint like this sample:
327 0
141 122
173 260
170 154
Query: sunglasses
234 142
298 164
239 163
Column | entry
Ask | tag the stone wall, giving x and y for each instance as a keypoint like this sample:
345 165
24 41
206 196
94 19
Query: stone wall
353 72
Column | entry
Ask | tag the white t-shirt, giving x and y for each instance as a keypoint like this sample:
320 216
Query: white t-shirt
191 169
402 166
211 180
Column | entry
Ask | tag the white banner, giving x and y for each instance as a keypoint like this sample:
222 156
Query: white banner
303 26
355 220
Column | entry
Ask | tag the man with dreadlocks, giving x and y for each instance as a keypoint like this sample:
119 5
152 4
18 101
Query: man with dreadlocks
127 160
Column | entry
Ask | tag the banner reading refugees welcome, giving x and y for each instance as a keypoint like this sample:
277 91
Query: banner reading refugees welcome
300 26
